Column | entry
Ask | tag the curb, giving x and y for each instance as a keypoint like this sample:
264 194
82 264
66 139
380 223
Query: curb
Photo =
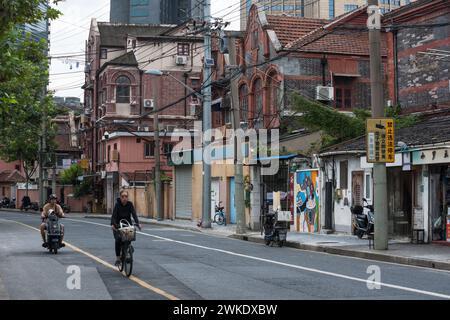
358 254
19 211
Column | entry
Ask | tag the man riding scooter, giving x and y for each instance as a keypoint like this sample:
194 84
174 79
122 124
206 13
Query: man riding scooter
52 205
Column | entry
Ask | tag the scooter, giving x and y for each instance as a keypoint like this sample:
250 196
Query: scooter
7 203
274 231
363 220
53 235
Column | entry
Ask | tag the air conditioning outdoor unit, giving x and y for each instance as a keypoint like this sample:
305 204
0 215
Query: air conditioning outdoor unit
181 60
170 128
115 155
148 103
324 93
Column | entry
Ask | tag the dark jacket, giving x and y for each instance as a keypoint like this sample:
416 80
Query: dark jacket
123 212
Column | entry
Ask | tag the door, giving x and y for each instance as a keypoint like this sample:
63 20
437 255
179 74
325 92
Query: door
232 201
215 195
357 188
183 192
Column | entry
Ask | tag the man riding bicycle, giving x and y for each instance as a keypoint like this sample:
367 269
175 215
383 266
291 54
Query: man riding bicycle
123 210
52 205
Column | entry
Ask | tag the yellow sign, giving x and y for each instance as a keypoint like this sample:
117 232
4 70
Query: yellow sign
380 140
84 163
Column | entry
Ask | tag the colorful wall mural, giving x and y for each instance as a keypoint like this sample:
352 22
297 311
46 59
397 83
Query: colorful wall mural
306 190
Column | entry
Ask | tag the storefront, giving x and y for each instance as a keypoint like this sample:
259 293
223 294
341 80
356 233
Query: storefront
435 164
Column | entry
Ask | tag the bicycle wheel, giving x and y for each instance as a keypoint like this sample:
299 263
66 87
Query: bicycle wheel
122 258
219 218
129 261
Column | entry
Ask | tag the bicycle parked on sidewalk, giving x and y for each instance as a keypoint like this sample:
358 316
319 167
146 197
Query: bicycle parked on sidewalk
127 233
219 216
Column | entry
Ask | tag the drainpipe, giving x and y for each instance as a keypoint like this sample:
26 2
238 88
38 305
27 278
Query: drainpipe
395 68
141 72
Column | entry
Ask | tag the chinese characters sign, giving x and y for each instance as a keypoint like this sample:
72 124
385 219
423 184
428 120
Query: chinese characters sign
380 140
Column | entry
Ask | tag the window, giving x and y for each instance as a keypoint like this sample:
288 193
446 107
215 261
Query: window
255 38
103 53
243 100
123 90
167 148
343 98
149 149
331 8
183 49
258 99
350 7
109 153
275 98
368 186
343 175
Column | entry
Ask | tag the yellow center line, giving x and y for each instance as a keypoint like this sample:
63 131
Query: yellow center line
135 279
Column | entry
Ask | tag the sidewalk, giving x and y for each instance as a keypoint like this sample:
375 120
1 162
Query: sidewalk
421 255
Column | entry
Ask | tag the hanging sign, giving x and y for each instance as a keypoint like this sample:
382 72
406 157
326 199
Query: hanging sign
380 140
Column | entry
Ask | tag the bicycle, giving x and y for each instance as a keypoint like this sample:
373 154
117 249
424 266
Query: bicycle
219 216
127 234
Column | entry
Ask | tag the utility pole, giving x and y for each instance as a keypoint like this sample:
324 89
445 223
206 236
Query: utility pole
206 197
160 213
379 169
238 167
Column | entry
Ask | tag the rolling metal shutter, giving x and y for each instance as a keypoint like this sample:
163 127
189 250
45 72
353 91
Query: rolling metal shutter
183 192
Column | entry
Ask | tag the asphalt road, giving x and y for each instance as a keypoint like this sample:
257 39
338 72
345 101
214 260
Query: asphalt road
177 264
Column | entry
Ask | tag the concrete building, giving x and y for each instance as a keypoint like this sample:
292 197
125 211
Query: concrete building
319 9
154 11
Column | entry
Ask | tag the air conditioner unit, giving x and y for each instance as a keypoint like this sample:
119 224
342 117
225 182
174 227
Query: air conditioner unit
170 128
181 60
148 103
115 155
324 93
143 129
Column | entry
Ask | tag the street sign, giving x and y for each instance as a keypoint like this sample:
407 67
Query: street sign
380 140
84 163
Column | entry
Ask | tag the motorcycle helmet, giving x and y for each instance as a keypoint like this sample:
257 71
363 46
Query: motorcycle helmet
53 196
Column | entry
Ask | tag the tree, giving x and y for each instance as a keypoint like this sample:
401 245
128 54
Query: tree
23 78
15 12
70 177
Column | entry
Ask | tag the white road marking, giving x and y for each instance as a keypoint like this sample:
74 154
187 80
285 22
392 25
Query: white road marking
332 274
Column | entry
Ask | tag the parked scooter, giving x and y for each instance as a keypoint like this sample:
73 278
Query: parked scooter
8 203
53 234
363 220
28 205
274 231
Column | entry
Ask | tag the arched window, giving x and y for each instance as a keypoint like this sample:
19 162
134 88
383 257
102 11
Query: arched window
243 101
275 98
123 89
258 100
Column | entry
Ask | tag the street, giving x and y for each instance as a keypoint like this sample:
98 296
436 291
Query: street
179 264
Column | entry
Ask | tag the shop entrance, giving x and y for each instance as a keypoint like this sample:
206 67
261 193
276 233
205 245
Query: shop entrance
439 201
400 187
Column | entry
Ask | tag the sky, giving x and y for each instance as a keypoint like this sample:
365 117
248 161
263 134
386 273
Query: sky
69 33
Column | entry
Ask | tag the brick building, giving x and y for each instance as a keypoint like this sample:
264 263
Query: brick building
282 55
120 97
419 55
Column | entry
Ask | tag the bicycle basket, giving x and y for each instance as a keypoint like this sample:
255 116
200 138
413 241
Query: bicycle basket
127 231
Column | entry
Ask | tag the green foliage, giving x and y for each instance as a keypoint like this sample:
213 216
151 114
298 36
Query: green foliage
401 121
335 126
23 78
70 175
15 12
